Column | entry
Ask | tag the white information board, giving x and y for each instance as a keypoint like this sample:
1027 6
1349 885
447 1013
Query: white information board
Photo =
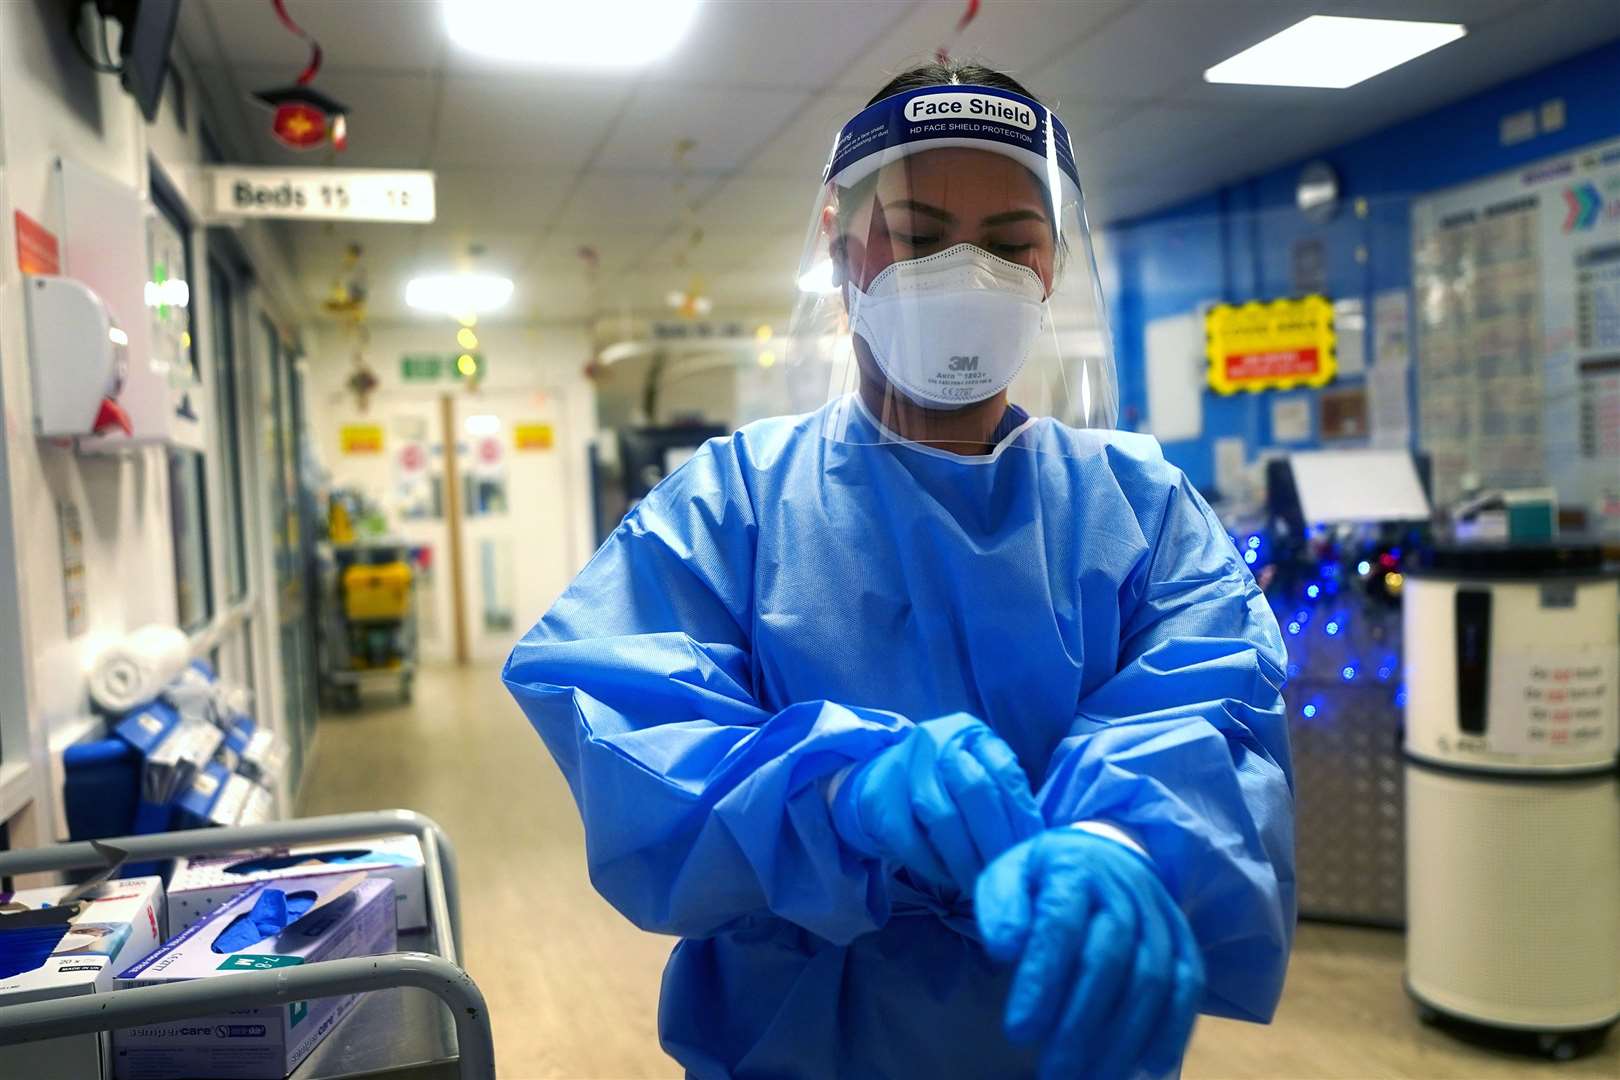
322 194
1516 286
1175 377
1358 485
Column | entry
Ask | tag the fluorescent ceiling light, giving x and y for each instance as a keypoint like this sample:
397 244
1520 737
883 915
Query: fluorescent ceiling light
1333 51
458 294
173 293
818 279
571 33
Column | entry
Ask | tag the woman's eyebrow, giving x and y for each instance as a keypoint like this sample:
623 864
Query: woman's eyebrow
921 208
1011 216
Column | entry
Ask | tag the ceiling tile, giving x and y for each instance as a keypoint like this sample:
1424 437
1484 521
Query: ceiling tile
615 250
801 148
383 34
551 299
524 198
1011 37
725 249
614 201
319 248
726 126
1154 134
550 122
503 251
1159 45
761 201
779 45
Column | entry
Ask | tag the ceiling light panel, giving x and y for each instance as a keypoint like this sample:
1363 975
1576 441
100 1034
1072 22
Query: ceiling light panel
1333 52
568 33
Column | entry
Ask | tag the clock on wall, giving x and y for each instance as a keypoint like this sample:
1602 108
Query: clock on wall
1317 193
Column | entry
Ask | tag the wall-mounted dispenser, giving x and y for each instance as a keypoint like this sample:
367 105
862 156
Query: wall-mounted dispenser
107 245
80 356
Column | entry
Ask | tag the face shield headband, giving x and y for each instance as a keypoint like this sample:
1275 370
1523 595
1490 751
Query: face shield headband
972 117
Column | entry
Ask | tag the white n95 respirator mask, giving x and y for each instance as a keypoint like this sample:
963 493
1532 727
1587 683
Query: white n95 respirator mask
953 328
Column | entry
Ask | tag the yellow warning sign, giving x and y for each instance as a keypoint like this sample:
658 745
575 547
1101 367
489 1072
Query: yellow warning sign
1277 345
361 438
532 435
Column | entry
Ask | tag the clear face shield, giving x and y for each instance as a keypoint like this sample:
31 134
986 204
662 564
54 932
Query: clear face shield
948 295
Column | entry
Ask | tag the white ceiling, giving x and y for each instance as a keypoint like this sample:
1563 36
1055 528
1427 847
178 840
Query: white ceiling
534 165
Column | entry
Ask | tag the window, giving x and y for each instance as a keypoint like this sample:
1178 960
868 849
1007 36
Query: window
170 307
194 600
222 307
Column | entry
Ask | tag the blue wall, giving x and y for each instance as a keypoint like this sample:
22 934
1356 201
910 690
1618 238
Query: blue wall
1238 242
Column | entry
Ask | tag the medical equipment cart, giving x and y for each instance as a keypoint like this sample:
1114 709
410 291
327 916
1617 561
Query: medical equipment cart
422 1016
368 631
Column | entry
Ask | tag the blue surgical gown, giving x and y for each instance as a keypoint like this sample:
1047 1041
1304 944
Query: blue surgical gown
784 604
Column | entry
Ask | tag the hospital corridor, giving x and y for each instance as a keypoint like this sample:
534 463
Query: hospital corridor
573 989
809 539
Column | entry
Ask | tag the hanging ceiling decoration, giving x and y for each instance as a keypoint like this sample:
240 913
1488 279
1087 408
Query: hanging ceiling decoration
943 53
346 296
693 301
304 117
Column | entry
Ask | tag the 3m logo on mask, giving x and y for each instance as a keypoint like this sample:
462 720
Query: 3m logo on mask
964 363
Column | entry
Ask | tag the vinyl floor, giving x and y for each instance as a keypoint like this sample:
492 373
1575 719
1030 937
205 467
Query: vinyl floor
573 988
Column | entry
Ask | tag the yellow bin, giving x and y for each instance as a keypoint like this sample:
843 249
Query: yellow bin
382 591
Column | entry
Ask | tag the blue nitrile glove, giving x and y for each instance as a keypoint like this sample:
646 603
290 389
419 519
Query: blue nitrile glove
272 913
1109 976
942 803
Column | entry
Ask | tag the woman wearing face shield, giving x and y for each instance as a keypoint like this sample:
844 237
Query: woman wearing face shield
941 721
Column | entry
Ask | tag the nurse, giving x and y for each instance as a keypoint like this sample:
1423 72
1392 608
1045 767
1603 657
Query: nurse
941 722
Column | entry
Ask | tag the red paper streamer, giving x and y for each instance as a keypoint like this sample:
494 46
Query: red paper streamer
314 65
943 53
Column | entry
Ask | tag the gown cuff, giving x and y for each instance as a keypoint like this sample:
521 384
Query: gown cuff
1112 832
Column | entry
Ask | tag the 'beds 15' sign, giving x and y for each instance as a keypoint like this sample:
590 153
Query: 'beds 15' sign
323 194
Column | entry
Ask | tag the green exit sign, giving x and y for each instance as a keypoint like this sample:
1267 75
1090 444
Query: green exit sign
433 367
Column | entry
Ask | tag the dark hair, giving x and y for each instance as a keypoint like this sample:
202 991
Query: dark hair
949 72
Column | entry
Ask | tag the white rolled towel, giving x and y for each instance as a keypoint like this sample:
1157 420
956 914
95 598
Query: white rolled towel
129 671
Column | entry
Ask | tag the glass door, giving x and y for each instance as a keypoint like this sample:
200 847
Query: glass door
304 514
286 519
516 495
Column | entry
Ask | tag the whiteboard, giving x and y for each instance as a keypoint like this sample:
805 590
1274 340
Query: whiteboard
1175 377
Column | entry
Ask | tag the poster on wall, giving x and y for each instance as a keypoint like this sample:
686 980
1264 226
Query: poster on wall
1388 398
1175 393
1275 345
1516 282
1290 419
361 438
532 435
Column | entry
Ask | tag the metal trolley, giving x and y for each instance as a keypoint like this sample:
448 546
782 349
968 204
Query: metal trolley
422 1016
344 665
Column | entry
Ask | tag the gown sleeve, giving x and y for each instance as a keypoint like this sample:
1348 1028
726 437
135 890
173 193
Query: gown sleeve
1185 749
700 807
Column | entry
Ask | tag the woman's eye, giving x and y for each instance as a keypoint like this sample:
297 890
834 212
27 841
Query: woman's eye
1010 249
916 241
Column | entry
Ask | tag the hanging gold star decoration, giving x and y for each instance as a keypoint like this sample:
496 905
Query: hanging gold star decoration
346 296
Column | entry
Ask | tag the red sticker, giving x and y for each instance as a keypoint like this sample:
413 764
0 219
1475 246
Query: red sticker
37 251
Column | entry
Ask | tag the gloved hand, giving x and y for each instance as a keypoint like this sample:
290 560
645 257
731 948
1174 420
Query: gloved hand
943 802
1109 976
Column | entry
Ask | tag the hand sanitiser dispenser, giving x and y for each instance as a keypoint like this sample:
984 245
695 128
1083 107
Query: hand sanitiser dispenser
80 356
